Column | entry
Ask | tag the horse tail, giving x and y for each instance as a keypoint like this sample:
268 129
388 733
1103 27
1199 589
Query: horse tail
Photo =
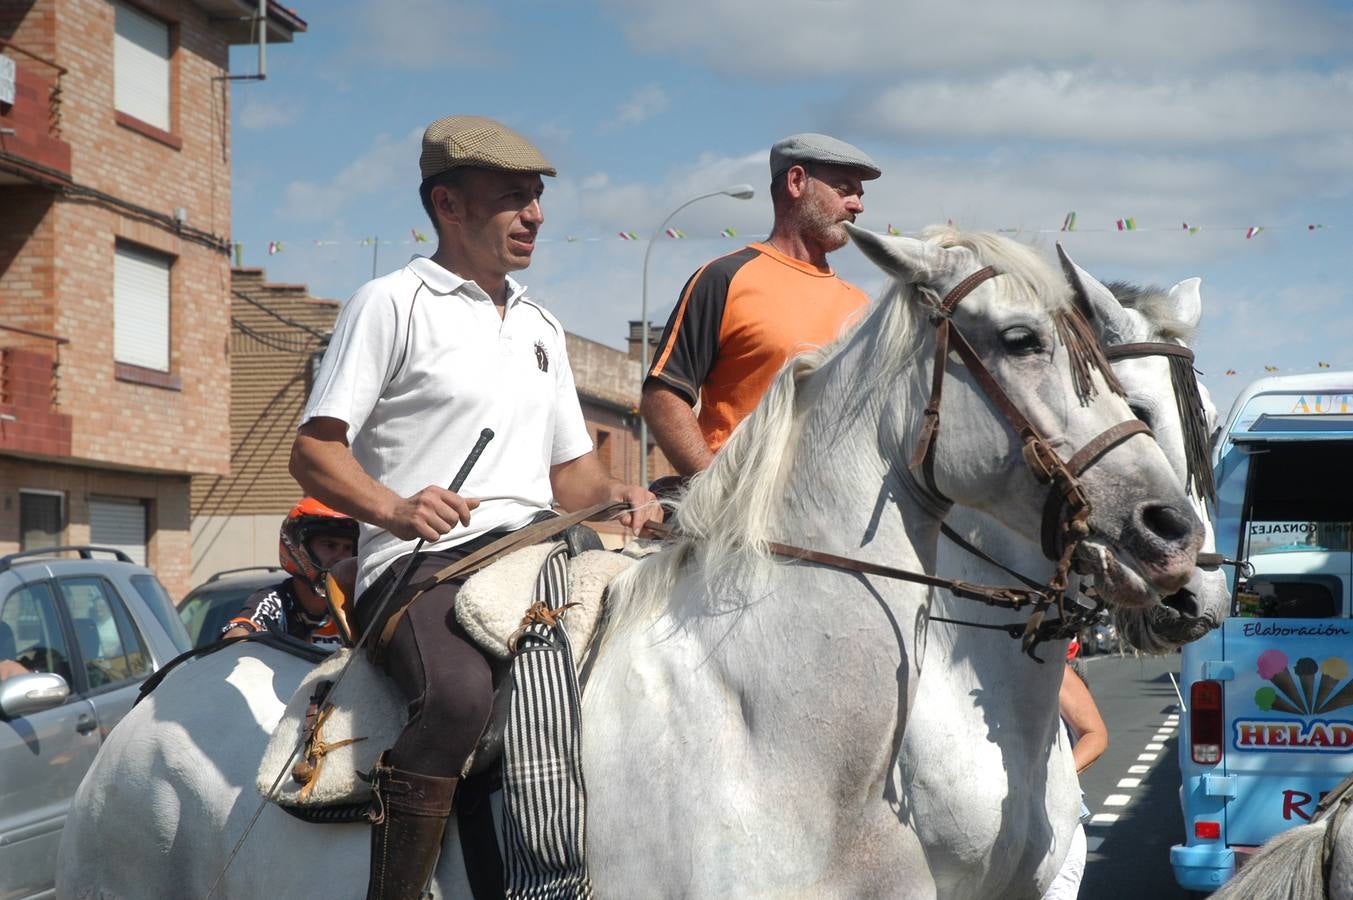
1290 866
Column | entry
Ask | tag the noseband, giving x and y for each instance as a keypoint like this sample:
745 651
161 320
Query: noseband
1066 511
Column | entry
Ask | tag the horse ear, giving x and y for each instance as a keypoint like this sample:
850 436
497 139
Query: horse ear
906 259
1186 302
1096 302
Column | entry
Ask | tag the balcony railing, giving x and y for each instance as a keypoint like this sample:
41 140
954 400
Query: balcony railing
30 420
30 127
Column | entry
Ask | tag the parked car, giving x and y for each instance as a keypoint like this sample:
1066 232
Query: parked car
84 632
1269 723
210 605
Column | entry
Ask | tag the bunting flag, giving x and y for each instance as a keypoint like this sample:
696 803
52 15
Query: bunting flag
1270 368
1069 223
239 255
1313 227
729 232
1127 224
676 233
274 248
628 235
367 242
1192 229
418 236
1322 365
1252 231
1230 371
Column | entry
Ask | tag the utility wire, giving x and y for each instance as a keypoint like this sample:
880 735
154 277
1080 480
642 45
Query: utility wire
265 340
279 317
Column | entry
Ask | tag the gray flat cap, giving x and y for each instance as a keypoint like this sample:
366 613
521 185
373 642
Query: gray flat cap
820 148
457 141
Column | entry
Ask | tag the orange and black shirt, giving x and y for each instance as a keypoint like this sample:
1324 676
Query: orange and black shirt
739 320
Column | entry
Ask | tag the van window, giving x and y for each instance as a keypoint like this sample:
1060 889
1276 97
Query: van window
1294 596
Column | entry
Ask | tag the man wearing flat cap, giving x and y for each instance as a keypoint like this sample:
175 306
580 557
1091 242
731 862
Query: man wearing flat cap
742 316
421 360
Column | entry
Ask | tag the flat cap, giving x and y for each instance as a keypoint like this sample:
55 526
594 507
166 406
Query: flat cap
456 141
820 148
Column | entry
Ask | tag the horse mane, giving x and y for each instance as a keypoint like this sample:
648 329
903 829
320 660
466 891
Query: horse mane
1153 303
726 513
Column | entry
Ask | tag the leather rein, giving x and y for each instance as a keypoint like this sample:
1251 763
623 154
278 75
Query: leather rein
1066 511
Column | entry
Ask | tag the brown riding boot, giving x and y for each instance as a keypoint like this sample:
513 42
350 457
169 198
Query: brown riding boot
408 814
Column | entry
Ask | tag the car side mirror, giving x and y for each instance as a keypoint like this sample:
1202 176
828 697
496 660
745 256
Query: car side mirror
24 695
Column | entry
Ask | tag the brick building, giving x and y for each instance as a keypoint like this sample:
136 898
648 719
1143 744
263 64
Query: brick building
278 333
114 267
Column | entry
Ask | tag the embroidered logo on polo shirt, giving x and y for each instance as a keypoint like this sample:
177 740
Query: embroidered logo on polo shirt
542 358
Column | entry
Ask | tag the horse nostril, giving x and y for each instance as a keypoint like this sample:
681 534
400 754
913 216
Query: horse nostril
1183 602
1166 522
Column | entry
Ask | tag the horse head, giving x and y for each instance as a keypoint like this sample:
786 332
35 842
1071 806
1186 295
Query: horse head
1135 324
1026 337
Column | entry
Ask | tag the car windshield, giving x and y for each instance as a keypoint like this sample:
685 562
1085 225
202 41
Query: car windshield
205 611
150 589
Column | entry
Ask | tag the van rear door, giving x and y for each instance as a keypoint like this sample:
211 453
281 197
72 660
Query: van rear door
1289 645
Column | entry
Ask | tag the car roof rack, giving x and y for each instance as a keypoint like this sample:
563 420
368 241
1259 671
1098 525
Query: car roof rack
86 552
244 569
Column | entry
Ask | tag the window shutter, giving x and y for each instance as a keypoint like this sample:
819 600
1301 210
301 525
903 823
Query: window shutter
120 524
141 309
141 67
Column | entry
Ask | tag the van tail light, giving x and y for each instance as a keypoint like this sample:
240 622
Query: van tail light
1205 722
1207 831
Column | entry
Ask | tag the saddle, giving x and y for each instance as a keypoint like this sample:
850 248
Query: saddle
341 744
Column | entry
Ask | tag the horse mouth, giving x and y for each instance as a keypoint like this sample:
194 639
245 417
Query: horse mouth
1114 576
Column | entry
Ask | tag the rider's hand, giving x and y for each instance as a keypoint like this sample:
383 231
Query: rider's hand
429 514
644 507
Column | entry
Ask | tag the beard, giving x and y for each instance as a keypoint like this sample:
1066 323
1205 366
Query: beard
822 227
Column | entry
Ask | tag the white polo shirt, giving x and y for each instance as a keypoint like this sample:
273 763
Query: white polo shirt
419 363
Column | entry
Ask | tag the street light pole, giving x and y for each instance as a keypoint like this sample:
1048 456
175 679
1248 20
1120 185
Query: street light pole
737 191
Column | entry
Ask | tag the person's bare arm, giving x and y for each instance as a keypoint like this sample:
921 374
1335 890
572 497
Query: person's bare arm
323 465
1082 716
582 482
674 427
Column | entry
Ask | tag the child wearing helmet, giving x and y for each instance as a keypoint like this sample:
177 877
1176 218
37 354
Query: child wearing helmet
312 539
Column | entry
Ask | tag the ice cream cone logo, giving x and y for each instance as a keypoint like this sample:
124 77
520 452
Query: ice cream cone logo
1316 688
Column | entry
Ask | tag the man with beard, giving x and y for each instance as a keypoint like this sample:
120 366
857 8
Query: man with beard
742 316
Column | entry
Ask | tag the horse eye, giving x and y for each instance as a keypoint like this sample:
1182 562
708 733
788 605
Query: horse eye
1140 412
1021 341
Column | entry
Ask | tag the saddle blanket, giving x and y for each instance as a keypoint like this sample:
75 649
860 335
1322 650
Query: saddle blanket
368 712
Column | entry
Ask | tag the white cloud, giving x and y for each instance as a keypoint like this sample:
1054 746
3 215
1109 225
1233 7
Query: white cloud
423 35
809 38
645 103
255 114
1097 107
389 165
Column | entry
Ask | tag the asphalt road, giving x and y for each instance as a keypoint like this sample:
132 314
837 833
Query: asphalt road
1133 790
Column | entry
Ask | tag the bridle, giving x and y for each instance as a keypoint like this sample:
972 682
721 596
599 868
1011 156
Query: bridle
1066 511
1192 414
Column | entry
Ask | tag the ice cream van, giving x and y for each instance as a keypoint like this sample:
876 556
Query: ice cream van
1268 720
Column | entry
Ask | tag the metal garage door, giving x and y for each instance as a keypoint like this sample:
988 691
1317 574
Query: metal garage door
120 524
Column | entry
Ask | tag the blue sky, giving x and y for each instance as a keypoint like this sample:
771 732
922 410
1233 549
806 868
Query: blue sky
1224 114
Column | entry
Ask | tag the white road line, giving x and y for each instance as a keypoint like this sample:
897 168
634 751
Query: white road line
1138 770
1103 818
1155 746
1129 782
1172 718
1117 800
1147 757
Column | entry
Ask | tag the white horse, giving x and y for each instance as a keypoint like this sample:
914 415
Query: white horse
743 719
990 782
